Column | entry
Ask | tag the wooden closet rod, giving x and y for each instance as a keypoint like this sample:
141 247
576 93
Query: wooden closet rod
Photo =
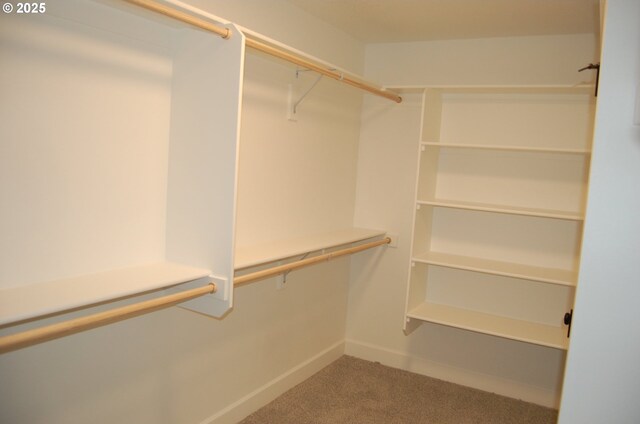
154 6
265 48
331 73
76 325
276 270
65 328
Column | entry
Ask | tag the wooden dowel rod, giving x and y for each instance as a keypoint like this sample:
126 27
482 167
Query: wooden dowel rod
273 51
76 325
183 17
54 331
243 279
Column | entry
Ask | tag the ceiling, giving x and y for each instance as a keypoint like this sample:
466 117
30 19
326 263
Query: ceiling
379 21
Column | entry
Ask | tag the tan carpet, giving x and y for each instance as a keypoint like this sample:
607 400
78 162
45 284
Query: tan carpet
355 391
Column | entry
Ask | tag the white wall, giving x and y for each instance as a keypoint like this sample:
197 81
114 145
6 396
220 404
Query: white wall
50 212
283 22
387 166
174 366
295 178
602 382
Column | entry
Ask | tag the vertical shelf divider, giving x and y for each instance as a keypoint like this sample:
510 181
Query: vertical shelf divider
203 160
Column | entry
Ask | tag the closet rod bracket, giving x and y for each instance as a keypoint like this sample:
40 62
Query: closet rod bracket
293 105
282 281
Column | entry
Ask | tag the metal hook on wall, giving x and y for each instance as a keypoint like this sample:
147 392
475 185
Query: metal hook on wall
595 66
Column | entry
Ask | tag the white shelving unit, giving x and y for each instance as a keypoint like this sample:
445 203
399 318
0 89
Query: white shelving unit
499 208
127 182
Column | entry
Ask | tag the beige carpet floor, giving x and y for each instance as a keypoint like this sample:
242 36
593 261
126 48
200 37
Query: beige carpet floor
354 391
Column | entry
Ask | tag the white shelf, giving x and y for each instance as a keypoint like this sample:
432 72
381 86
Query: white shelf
480 322
250 256
515 89
526 272
34 300
529 149
514 210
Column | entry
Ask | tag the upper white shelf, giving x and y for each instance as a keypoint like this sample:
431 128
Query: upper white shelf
41 299
506 89
249 256
529 149
513 210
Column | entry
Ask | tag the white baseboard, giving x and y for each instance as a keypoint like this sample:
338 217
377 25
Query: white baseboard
274 388
488 383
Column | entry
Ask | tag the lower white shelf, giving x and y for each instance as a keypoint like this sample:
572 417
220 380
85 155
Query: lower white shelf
41 299
480 322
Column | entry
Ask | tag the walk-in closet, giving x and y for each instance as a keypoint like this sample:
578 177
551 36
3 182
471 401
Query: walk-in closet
310 211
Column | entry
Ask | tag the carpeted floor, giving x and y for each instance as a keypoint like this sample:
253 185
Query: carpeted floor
355 391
